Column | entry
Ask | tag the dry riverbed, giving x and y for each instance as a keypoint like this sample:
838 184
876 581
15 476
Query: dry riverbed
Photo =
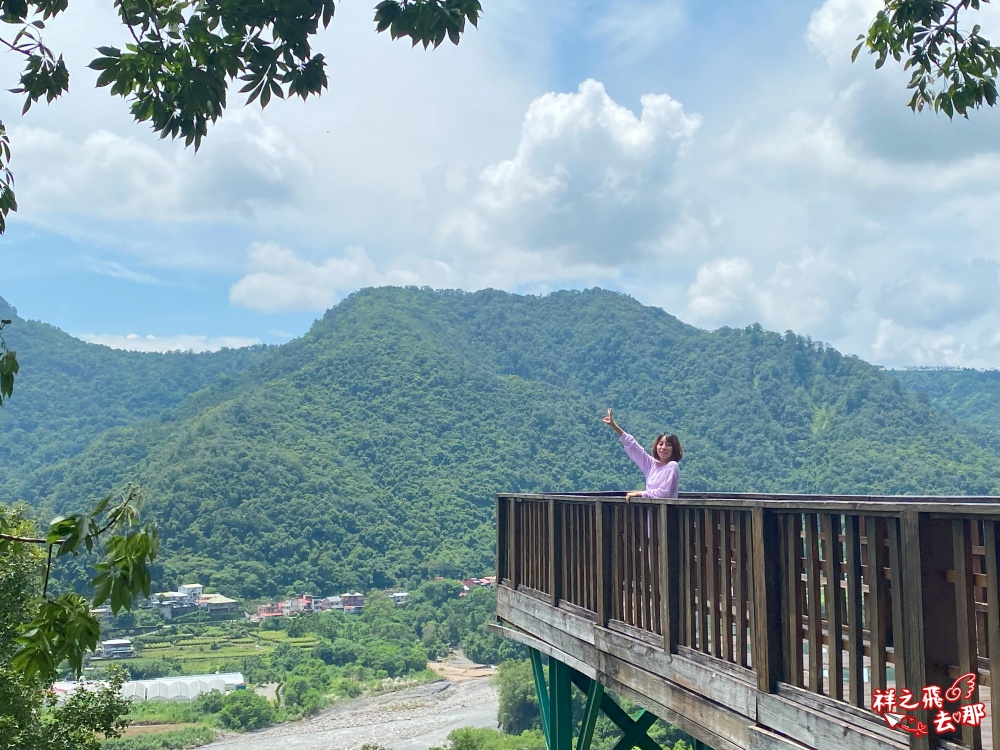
412 719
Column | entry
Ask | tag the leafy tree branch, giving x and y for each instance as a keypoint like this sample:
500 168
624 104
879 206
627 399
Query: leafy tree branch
952 70
63 627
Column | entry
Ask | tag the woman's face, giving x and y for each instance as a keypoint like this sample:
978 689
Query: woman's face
664 449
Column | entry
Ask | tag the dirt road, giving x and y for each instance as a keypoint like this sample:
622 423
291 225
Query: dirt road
413 719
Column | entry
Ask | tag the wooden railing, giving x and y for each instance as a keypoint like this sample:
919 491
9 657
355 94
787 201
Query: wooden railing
829 597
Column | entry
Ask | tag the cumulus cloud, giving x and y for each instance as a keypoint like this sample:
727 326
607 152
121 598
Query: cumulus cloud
590 182
183 343
899 345
810 293
944 295
280 280
105 176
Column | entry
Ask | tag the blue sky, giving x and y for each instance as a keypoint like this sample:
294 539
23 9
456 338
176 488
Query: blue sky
724 161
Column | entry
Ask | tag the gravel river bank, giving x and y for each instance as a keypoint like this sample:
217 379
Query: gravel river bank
412 719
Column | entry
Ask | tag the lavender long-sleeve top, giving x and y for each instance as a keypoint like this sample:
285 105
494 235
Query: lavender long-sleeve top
661 479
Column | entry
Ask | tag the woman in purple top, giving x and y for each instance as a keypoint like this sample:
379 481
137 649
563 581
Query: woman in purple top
661 472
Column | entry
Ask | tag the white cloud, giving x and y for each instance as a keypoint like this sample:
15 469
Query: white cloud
898 345
834 27
810 293
279 280
631 29
109 177
116 270
944 295
589 184
723 292
136 343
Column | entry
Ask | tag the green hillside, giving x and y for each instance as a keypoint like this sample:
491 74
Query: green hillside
69 392
367 452
970 396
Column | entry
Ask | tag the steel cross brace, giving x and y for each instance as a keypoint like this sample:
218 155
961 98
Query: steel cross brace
554 701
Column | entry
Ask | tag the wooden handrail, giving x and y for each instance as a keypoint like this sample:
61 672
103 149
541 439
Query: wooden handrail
805 590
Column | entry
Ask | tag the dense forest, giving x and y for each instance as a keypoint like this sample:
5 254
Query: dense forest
971 397
366 453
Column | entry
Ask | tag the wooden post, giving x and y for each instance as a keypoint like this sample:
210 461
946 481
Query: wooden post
766 634
913 568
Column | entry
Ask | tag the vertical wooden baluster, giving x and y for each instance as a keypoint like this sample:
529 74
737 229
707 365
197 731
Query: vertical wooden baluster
581 555
812 606
834 611
629 568
567 570
991 543
588 553
530 553
687 560
793 598
502 571
603 554
878 623
516 543
557 559
642 551
702 612
855 636
671 554
712 575
727 587
649 561
655 553
896 593
740 586
965 608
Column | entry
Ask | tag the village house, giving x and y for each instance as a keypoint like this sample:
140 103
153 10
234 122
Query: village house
117 648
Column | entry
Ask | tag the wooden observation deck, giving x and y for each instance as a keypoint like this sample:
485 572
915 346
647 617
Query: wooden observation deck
764 622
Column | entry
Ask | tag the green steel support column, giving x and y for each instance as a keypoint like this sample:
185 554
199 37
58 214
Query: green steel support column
543 695
560 705
594 695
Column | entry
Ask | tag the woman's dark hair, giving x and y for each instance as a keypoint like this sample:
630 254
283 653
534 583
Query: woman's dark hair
678 453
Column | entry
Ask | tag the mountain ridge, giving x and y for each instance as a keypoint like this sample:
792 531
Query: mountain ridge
366 453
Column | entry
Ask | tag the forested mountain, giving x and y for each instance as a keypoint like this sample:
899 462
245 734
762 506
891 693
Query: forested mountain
70 392
367 452
970 396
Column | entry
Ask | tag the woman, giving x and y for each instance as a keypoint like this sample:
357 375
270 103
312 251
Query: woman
661 472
